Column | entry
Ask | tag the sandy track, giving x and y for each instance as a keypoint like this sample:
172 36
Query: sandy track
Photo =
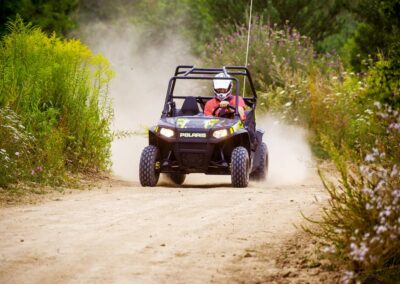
133 235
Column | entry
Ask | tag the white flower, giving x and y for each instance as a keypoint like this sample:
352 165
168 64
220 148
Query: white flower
288 104
368 206
329 249
358 252
386 212
369 158
380 229
368 191
396 193
380 184
348 277
369 111
383 115
366 236
395 126
17 154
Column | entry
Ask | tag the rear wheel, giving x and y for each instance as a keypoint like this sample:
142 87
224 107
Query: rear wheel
240 167
149 168
177 178
260 172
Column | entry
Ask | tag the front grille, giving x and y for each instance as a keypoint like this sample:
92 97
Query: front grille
192 155
193 160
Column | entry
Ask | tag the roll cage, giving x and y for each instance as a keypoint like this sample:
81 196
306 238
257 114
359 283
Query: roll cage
190 72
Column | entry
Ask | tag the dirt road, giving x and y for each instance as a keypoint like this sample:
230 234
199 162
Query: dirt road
129 234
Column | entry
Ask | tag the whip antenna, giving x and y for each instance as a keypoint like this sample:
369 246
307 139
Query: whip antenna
248 44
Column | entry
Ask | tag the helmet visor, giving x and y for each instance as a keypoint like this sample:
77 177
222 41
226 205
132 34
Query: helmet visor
222 90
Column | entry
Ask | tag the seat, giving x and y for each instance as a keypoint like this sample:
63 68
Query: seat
189 107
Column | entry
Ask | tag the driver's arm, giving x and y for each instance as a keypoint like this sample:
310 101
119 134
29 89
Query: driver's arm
224 104
209 107
241 113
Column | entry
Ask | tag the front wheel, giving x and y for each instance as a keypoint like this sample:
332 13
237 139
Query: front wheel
149 168
240 167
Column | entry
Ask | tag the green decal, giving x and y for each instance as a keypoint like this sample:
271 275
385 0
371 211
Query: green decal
237 126
210 123
181 122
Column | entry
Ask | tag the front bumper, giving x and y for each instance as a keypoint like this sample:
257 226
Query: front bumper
183 154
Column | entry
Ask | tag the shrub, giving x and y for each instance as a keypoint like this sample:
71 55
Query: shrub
58 89
362 223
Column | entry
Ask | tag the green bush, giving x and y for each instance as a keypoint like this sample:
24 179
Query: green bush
58 89
49 15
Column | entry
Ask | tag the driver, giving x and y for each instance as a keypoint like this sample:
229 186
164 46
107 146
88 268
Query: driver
223 98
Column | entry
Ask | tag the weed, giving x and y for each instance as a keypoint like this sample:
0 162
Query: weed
58 90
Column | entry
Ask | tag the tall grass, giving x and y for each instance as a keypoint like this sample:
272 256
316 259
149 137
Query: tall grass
362 223
350 124
58 91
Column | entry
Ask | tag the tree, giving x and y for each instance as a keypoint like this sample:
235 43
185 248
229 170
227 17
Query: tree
378 30
50 15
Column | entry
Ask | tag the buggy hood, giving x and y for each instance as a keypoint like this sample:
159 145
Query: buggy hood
199 123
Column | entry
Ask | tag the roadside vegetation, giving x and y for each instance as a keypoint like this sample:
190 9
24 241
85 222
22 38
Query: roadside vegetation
354 121
54 110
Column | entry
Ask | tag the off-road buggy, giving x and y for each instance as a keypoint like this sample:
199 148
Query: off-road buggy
186 141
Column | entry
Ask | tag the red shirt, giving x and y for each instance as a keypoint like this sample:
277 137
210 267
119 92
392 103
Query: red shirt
212 104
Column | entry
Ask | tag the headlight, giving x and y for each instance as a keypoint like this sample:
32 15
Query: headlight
220 133
167 132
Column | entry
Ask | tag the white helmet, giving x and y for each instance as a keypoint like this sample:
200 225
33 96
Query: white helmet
222 88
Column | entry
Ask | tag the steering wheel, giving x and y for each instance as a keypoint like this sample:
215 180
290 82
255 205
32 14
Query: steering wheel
227 114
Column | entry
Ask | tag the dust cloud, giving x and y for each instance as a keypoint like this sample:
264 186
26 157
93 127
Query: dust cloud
290 157
139 87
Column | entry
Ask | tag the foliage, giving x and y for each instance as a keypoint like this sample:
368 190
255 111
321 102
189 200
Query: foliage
318 20
48 14
58 90
202 20
377 32
16 145
383 79
362 223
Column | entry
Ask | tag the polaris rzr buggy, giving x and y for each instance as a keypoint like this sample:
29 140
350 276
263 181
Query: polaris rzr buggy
186 141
